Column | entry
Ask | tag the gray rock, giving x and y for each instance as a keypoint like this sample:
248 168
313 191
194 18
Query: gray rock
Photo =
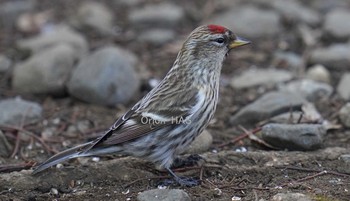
318 73
157 36
46 72
335 56
269 105
326 5
293 10
253 22
301 137
59 34
5 63
201 143
94 15
343 86
290 197
10 10
345 158
288 117
130 3
5 146
106 77
344 115
337 23
307 114
163 195
311 90
160 15
16 110
258 77
289 59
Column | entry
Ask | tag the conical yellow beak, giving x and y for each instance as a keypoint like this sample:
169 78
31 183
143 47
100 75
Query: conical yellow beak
238 42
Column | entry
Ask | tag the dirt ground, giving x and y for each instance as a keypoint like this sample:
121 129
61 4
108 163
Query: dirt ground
257 174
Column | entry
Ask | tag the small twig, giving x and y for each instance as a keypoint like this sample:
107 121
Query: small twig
201 173
15 149
313 170
240 137
16 167
254 138
18 137
300 118
255 195
317 174
305 178
48 149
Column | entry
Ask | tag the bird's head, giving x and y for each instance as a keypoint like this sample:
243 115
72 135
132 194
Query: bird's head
203 52
212 41
210 44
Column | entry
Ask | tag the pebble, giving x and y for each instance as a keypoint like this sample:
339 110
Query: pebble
94 15
163 195
57 35
34 22
294 11
309 89
105 77
297 137
326 5
288 59
261 22
268 105
5 63
54 191
337 23
16 110
201 144
45 72
343 86
5 147
345 158
318 73
344 115
290 197
157 15
335 56
258 77
157 36
10 10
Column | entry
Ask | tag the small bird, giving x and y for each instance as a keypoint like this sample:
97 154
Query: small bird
166 120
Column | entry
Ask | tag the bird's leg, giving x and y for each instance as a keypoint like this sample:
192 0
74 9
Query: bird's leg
192 160
184 181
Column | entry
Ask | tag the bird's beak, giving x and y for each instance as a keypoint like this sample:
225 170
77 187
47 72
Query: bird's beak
238 42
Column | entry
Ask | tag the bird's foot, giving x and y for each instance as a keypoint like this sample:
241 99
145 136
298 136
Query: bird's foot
183 181
192 160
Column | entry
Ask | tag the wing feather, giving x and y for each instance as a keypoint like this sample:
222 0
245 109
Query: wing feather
139 121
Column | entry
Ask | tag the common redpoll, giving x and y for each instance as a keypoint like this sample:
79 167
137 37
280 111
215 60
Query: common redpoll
164 122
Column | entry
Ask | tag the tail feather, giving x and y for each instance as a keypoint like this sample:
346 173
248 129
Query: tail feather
63 156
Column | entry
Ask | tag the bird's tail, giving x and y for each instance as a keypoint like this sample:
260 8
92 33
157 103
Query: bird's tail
63 156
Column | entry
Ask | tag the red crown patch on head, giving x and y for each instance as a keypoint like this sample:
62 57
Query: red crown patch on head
216 28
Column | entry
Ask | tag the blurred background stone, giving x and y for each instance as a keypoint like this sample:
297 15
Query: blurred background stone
17 112
94 15
253 22
106 77
45 72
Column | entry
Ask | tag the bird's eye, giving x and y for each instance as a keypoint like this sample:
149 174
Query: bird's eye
220 40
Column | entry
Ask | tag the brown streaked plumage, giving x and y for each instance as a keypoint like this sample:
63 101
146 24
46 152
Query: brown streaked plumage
164 122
